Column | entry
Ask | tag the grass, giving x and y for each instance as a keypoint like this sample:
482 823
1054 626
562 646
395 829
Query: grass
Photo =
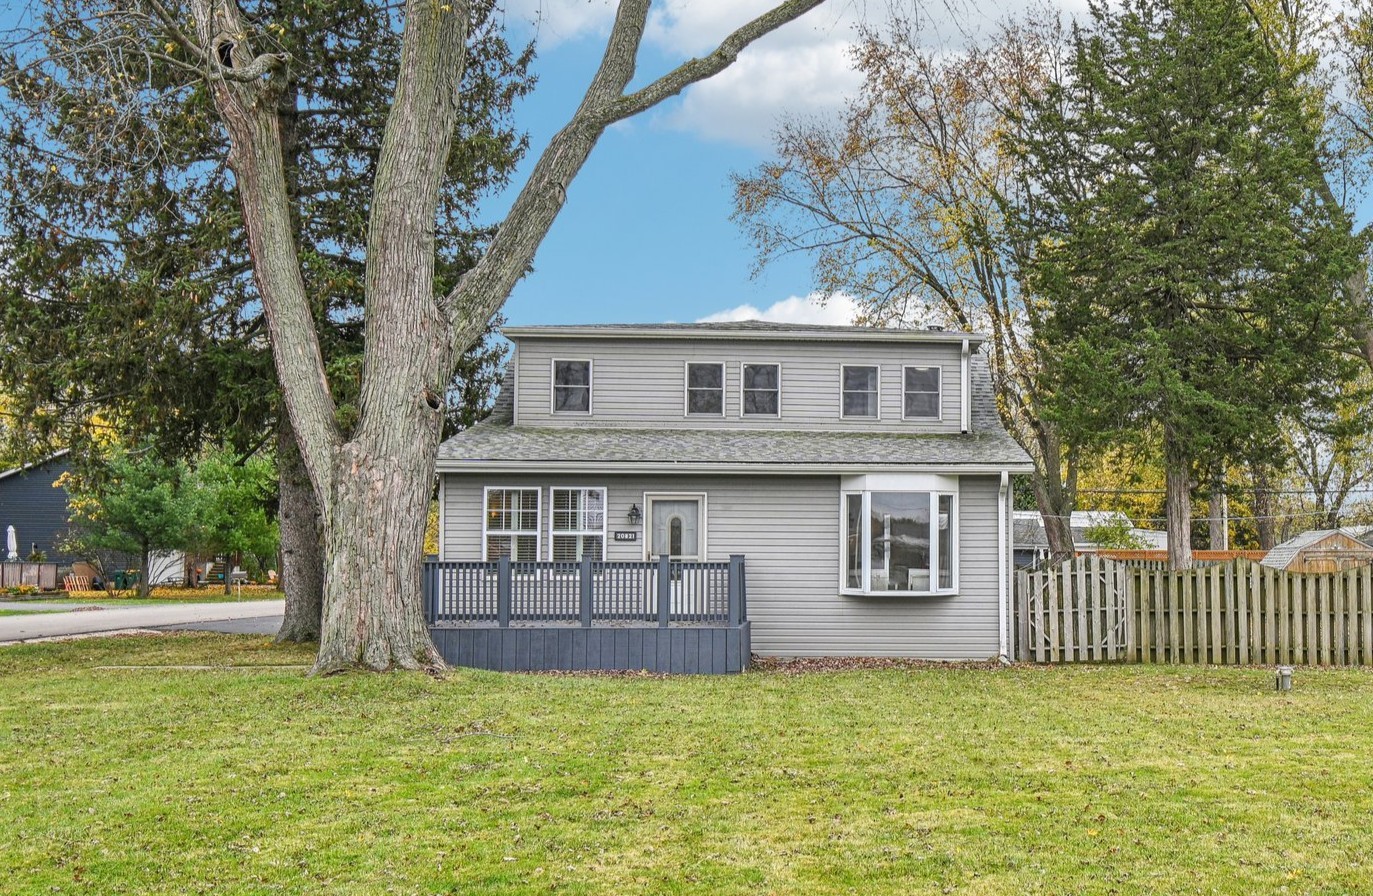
254 779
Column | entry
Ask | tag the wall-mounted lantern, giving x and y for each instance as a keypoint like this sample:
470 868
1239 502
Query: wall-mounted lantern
636 516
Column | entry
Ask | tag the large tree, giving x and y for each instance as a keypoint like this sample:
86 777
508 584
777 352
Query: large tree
901 206
1190 263
130 286
373 474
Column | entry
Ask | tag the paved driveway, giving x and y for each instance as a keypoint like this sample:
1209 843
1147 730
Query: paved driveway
249 616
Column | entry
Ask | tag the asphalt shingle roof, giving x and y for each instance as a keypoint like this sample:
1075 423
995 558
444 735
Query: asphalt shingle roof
497 439
1281 556
749 328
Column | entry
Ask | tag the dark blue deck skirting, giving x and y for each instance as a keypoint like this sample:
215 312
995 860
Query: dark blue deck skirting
686 650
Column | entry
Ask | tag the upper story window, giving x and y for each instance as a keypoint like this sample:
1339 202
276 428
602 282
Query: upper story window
510 527
705 389
922 393
571 387
858 386
762 390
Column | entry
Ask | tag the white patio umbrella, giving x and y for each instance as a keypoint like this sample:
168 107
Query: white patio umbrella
12 544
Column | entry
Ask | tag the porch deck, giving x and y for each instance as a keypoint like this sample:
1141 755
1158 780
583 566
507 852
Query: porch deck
662 616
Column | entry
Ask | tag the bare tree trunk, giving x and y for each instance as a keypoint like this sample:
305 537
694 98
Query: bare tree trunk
374 489
145 567
1177 468
1363 305
302 543
375 547
1264 522
1215 510
1054 482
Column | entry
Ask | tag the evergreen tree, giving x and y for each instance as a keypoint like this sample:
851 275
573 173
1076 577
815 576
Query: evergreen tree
129 291
1176 236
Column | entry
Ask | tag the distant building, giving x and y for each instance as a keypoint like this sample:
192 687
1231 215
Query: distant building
1321 550
35 508
1032 544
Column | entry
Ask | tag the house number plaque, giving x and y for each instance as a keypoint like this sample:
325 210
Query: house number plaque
626 536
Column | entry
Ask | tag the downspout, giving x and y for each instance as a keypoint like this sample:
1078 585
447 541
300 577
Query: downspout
967 415
1002 573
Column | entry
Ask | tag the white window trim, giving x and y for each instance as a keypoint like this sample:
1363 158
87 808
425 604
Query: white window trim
649 497
537 531
778 365
878 415
939 403
553 387
605 517
686 388
865 521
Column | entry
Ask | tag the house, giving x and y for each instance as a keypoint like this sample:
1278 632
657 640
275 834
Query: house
1032 544
36 508
1320 550
672 496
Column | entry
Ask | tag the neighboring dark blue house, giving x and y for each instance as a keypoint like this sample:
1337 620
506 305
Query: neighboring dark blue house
37 511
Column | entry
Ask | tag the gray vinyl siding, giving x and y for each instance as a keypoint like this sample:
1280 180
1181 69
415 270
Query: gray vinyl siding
788 530
642 382
37 511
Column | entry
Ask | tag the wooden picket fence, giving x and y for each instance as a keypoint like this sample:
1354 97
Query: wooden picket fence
1236 613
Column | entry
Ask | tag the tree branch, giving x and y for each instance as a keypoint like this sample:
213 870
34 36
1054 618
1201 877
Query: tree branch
693 70
482 290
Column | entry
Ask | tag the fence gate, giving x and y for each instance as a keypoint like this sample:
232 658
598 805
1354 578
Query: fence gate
1076 611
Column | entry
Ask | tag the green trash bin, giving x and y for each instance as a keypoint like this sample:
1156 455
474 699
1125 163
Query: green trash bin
121 581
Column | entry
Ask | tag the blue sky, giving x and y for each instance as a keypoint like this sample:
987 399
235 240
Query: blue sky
645 234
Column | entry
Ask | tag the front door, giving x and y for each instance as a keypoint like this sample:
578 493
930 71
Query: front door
675 527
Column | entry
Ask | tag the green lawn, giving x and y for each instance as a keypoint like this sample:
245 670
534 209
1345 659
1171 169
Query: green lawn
1029 780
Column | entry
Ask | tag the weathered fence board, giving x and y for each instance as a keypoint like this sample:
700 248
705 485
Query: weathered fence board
1099 610
25 574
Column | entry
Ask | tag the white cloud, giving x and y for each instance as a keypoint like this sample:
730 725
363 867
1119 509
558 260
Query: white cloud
691 27
839 310
553 22
745 103
802 69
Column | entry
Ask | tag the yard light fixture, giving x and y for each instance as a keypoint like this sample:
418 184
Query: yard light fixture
1283 681
636 516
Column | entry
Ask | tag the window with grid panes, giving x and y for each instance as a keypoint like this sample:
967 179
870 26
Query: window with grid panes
511 524
578 524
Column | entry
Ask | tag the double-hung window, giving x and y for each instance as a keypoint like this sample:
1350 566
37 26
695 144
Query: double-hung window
705 389
922 393
761 385
858 388
577 524
510 526
900 542
571 387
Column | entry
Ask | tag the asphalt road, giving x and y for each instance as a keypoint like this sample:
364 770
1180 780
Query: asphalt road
241 617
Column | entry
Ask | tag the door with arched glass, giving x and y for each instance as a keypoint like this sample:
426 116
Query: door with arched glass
676 526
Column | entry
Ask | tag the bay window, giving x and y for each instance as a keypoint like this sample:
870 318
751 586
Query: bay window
900 537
